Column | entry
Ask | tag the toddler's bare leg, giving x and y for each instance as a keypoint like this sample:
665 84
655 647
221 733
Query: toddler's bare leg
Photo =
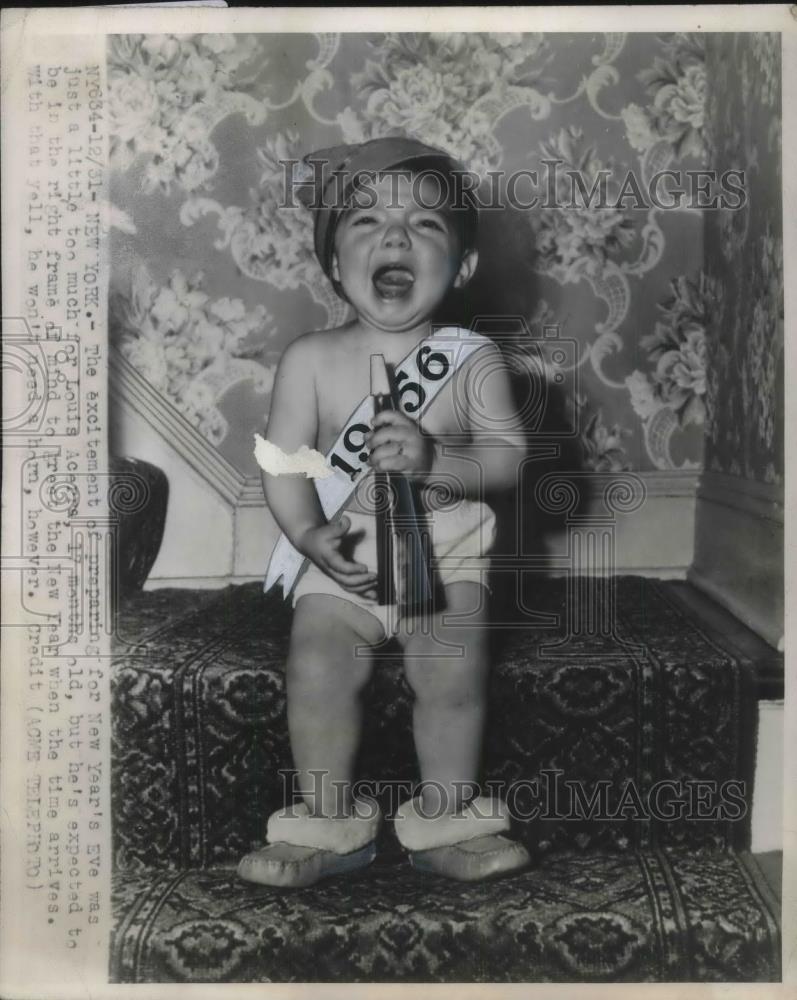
324 683
450 696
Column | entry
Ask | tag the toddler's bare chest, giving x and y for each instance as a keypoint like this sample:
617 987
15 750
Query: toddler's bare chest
340 390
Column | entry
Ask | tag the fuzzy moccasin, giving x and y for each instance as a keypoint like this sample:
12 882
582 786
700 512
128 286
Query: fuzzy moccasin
302 849
467 846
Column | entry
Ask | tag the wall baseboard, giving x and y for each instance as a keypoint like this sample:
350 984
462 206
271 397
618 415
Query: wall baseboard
199 582
739 551
210 499
128 385
751 497
218 582
657 572
739 605
767 813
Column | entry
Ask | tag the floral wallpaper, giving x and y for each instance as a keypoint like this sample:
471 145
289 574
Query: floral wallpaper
744 262
211 280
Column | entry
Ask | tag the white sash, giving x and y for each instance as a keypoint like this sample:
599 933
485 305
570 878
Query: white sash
419 378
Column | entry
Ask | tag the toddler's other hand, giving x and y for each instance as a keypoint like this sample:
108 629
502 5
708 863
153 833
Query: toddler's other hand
397 444
322 546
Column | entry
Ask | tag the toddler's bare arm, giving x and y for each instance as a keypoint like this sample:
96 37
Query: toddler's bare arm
293 500
293 422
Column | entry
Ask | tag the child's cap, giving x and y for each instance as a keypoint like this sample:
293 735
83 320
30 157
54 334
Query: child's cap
317 177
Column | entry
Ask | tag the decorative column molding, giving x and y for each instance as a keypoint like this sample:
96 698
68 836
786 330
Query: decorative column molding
590 503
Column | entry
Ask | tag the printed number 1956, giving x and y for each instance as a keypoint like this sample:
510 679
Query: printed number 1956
432 366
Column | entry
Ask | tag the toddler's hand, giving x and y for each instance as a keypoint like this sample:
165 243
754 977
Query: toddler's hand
397 444
322 546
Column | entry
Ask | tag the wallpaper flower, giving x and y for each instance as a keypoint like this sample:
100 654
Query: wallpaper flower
204 124
677 347
188 346
166 94
569 241
602 447
447 89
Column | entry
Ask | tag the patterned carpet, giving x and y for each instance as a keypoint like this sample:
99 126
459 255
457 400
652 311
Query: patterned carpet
675 915
200 734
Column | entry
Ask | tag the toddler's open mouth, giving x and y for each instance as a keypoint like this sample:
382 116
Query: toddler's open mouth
392 281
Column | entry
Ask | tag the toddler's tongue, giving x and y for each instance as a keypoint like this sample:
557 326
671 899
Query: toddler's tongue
393 281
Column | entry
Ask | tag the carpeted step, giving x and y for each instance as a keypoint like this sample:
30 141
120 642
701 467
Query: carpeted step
635 916
200 731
